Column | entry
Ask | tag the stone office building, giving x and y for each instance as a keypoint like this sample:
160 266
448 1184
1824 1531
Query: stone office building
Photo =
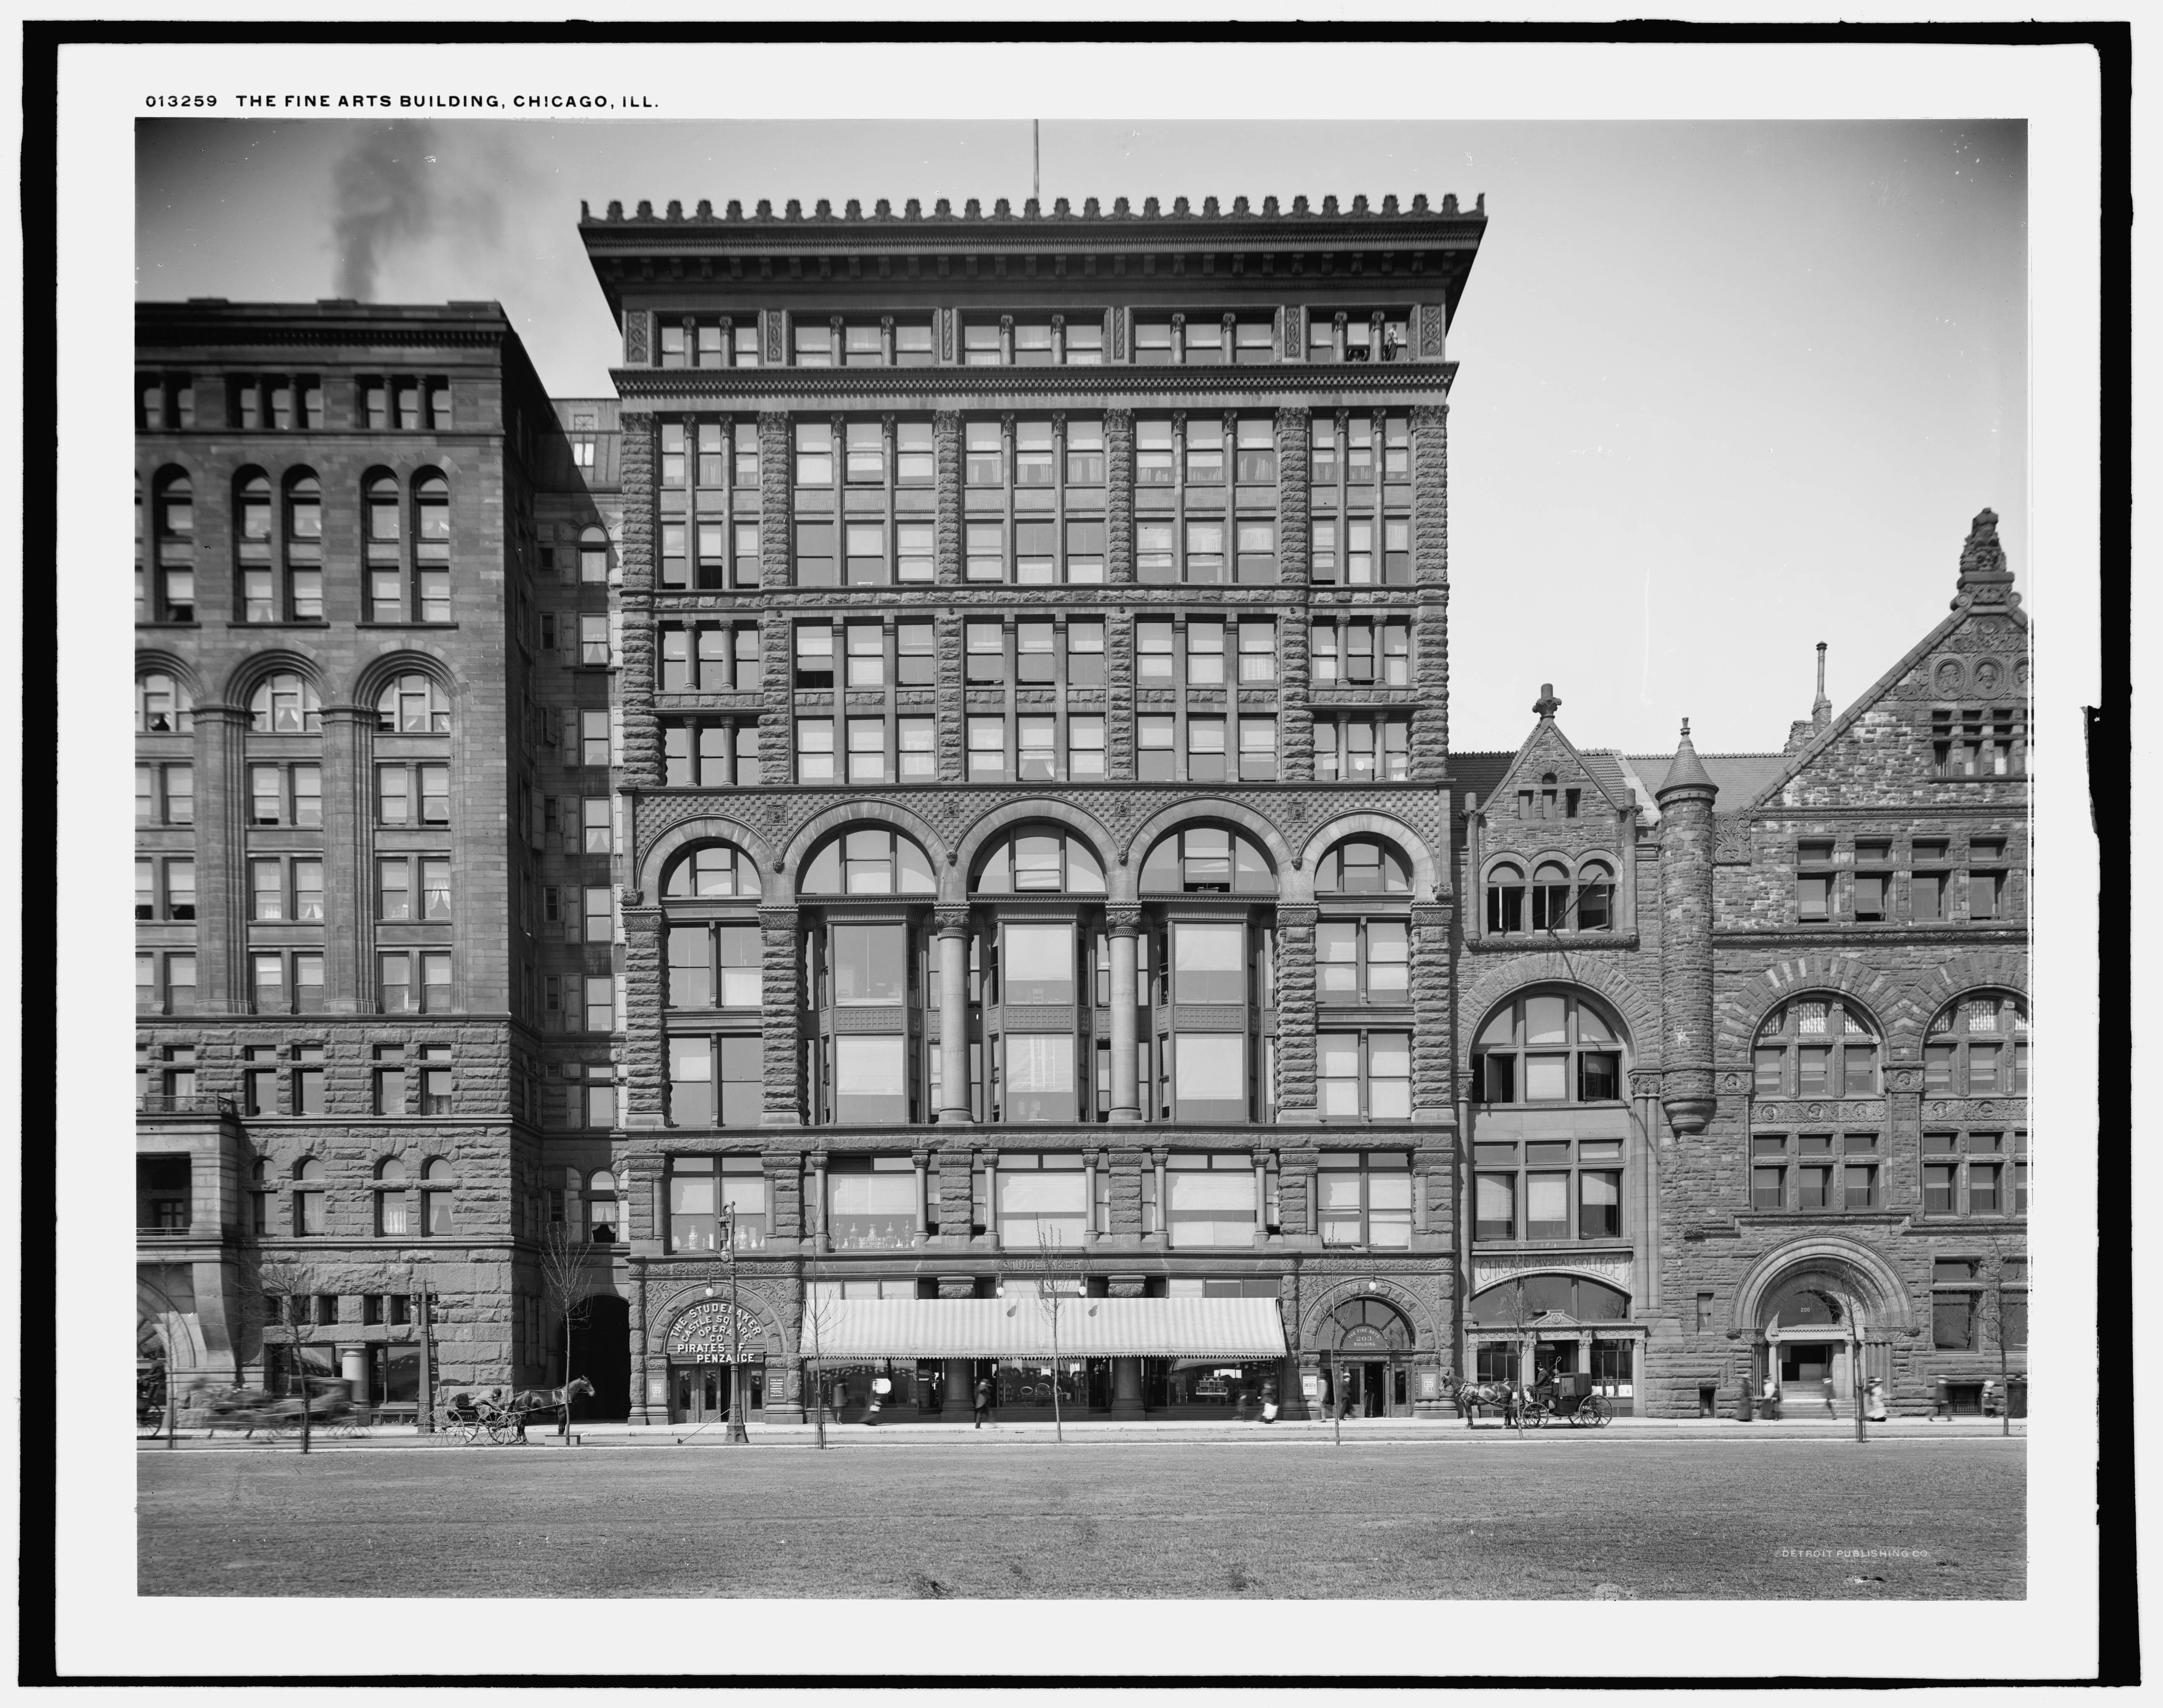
983 836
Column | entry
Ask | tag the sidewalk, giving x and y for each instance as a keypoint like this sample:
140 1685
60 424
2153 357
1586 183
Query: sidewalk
1361 1431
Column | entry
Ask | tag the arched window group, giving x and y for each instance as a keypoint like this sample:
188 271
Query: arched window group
1820 1046
1038 859
406 538
285 704
1206 860
1977 1046
163 705
413 704
1548 1046
1554 897
173 545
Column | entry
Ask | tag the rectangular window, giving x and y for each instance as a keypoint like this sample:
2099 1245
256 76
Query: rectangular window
815 750
814 555
1084 750
1258 750
1205 553
913 552
914 453
1155 758
1036 548
986 558
984 454
870 1077
599 913
917 757
867 749
1085 653
1211 1198
987 761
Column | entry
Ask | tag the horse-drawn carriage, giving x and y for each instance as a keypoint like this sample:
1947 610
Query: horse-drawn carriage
1569 1397
257 1411
500 1416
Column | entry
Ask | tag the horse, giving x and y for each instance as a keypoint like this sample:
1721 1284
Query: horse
528 1400
1497 1395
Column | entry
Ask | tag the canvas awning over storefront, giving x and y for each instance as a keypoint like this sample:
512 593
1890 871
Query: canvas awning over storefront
1088 1327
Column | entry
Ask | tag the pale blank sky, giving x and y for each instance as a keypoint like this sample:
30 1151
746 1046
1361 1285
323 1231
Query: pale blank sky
1726 389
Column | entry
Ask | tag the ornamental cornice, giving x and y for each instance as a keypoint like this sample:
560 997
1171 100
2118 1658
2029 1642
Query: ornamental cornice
1839 1110
1964 1109
952 388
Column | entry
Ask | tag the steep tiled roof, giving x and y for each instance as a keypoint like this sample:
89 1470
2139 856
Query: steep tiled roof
1737 776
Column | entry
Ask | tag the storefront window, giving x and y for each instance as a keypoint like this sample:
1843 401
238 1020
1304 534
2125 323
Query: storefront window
872 1203
1213 1199
1042 1199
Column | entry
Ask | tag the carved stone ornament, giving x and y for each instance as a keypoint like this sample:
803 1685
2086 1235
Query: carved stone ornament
1613 1268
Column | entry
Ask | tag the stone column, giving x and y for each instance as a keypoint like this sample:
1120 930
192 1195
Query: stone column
640 764
644 1045
952 698
1296 1014
1433 1028
1430 435
348 811
1122 924
1295 563
642 1370
1120 763
1686 850
781 1067
952 924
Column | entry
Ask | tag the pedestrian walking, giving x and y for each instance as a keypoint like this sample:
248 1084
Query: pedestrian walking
1825 1391
1269 1402
984 1399
1772 1400
1874 1405
881 1387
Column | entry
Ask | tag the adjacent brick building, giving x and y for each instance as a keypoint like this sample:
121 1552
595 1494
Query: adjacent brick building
972 739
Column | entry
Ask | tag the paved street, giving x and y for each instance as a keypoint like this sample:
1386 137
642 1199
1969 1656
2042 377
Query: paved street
1482 1516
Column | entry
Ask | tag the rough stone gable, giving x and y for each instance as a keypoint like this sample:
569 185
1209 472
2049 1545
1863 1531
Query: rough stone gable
1514 824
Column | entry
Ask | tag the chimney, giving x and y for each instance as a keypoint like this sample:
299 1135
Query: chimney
1821 708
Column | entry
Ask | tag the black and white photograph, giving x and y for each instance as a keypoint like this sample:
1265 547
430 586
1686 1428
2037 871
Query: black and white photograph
946 833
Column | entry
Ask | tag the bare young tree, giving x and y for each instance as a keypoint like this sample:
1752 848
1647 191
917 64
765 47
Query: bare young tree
1054 1275
286 1293
564 1260
819 1316
1991 1308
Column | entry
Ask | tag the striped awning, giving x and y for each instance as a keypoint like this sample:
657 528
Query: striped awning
1007 1328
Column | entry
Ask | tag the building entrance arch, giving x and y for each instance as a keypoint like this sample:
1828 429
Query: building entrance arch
1823 1323
1366 1345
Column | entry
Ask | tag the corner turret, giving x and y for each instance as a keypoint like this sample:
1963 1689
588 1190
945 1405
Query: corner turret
1685 799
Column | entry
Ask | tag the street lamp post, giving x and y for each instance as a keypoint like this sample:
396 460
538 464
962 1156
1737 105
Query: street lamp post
727 1231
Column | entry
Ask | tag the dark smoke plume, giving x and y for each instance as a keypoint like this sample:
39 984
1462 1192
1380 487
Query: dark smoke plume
399 185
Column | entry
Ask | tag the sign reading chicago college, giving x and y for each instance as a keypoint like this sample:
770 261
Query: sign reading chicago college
702 1332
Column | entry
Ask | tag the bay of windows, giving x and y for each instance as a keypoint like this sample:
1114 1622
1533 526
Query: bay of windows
710 753
1556 902
1364 1198
1212 1199
1540 1180
1816 1172
1363 1075
1363 960
1358 748
701 1188
1043 1200
873 1203
715 1081
715 965
1366 650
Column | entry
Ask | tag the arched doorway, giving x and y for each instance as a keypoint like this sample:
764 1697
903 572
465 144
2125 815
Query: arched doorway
1366 1345
1821 1332
601 1352
709 1347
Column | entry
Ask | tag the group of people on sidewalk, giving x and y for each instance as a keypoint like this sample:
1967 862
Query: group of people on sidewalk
1873 1399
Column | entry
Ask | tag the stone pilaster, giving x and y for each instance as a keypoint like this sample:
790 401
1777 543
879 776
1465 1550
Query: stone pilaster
1686 854
776 552
645 1043
946 544
635 540
1431 655
1433 1028
952 698
221 900
1119 697
639 764
1294 466
777 737
1119 497
782 1066
1296 1014
348 811
1430 432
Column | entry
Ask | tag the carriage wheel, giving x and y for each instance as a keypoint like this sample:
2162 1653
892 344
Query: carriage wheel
1602 1410
500 1431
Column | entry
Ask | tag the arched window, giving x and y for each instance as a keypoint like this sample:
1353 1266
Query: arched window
1548 1046
1506 898
1551 896
1367 1325
390 1199
1595 896
413 704
437 1181
593 556
310 1178
712 869
163 705
1038 857
432 547
285 704
1363 865
1208 860
176 539
304 548
386 568
251 508
873 862
1523 1299
604 1213
1817 1047
1977 1046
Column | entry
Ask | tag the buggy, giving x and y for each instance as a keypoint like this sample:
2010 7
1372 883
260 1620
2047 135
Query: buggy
1568 1398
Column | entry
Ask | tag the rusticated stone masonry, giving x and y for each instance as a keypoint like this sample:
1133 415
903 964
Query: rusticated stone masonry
947 446
1430 432
1686 992
1120 497
947 637
1120 696
645 1047
1433 1025
1295 554
1295 982
641 762
781 1065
